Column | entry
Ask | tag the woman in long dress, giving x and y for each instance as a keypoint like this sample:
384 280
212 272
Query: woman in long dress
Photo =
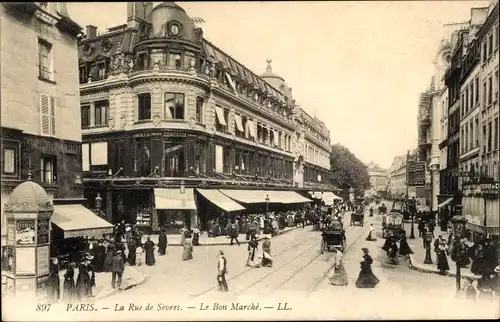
252 250
69 290
183 235
477 260
162 243
82 281
187 254
149 248
366 278
404 248
109 257
53 283
131 258
339 277
442 261
370 237
267 260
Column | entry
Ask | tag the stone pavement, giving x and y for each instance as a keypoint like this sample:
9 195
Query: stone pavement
175 240
416 260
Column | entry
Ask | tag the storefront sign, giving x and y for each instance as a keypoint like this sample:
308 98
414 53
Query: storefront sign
25 232
490 189
42 260
25 260
416 173
52 147
42 233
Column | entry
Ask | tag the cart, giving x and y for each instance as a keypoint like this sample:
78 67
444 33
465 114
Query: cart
357 219
332 238
392 225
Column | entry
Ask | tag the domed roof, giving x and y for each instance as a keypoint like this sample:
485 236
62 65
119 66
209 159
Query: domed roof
167 13
29 197
269 71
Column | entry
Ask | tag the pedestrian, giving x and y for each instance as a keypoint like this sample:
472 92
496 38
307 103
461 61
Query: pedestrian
149 249
421 228
469 290
162 242
117 268
222 272
366 278
69 289
437 243
252 249
442 260
187 253
233 234
53 283
132 257
109 256
477 259
404 248
139 255
183 231
484 287
83 281
196 237
267 260
370 238
392 253
339 277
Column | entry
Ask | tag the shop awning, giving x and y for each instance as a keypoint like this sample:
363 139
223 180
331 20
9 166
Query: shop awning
476 228
444 203
220 115
286 197
315 195
246 196
259 196
220 200
78 221
172 198
495 231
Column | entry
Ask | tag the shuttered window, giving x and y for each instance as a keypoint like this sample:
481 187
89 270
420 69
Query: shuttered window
47 115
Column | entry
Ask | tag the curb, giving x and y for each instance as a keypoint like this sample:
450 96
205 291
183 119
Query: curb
241 242
141 281
421 269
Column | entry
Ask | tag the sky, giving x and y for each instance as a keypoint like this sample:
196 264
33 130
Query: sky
357 66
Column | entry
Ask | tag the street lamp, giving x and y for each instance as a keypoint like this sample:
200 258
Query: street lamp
98 205
428 240
459 223
267 204
413 209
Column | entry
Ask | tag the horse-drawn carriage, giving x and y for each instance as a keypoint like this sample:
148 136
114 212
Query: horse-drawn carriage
392 225
333 237
357 218
382 210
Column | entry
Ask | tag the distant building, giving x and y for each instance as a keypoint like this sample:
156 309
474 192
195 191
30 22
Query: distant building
397 177
378 179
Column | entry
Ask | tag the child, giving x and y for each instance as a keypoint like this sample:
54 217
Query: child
138 253
469 290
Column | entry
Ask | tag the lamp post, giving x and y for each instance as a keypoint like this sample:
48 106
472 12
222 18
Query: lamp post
98 204
267 204
458 222
428 240
413 209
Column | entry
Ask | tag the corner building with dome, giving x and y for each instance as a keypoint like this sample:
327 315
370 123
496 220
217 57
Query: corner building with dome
176 131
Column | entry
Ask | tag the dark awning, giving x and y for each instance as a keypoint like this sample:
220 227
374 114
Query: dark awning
78 221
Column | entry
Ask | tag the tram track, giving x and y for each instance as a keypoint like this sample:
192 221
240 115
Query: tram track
295 272
279 254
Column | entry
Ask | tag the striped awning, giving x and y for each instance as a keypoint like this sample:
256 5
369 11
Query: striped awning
173 199
220 200
78 221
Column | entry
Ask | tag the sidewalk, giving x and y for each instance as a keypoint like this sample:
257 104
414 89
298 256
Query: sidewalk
416 261
175 240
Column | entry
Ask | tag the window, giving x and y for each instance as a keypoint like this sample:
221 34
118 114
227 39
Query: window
496 85
178 62
174 106
85 110
485 51
484 94
142 60
47 115
44 59
144 106
477 90
102 70
477 131
466 143
496 147
490 90
101 113
9 161
490 48
84 77
48 170
199 109
484 138
489 136
466 100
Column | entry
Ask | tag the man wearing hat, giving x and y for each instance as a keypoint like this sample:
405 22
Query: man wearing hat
117 268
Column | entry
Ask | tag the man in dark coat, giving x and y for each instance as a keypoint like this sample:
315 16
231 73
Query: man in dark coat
162 243
117 268
149 248
233 234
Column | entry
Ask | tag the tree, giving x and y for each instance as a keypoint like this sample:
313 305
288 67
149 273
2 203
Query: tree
347 170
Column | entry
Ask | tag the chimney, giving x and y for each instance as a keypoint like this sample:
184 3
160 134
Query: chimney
91 31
